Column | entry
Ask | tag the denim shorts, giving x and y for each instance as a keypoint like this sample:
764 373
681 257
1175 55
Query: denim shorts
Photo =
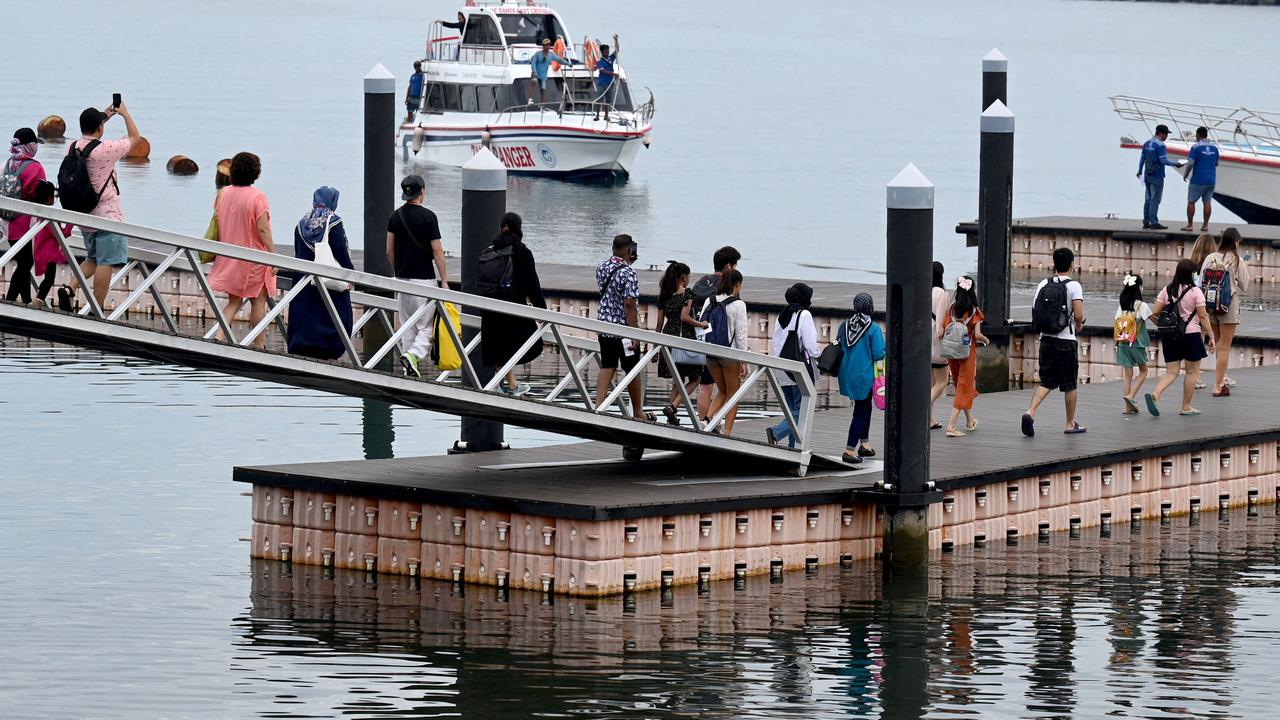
1195 193
106 248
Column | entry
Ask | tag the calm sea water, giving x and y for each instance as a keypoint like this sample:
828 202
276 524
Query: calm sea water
125 593
777 128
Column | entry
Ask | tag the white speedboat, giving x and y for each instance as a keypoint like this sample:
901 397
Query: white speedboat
1249 143
477 89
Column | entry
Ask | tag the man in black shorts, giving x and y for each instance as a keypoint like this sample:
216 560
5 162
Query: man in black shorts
726 258
1059 352
619 298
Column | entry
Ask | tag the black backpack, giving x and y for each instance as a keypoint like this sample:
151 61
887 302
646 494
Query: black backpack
1051 313
75 190
1169 324
493 273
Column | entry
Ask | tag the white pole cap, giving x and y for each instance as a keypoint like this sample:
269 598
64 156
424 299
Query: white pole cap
484 171
910 190
379 80
997 119
995 61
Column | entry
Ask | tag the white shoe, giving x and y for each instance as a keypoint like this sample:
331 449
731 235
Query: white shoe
1226 380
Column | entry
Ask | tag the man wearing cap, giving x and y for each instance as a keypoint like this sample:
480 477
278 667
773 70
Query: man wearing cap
413 245
541 64
104 250
22 173
1155 156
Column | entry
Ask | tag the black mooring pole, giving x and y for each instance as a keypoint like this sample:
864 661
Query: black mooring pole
379 166
995 242
484 200
995 78
379 201
909 265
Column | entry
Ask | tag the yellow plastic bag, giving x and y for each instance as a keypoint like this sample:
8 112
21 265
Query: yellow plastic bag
444 352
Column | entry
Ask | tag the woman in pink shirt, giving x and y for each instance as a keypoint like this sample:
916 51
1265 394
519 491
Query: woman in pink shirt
1189 349
244 219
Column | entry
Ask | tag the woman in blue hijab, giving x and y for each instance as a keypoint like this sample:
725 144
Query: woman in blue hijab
311 330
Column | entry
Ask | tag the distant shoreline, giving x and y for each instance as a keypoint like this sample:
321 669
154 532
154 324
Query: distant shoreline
1270 3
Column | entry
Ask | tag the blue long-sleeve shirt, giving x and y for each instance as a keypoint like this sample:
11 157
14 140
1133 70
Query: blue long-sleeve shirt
1154 158
541 63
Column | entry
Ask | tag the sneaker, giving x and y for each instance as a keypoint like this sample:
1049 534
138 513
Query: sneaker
768 434
1228 381
409 362
1158 226
1200 385
518 390
672 417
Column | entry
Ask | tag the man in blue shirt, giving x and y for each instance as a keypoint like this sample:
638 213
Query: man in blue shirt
1151 169
606 89
1203 158
413 95
541 64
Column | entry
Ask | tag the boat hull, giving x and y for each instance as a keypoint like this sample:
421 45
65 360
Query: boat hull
546 150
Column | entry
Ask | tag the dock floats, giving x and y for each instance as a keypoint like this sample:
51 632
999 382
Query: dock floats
575 520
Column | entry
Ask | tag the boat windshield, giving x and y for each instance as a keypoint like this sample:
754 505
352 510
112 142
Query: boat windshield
528 29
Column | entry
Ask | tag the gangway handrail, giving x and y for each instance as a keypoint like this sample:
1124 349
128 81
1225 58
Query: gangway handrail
547 323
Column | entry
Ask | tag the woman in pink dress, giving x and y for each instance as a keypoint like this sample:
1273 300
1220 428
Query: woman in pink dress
244 219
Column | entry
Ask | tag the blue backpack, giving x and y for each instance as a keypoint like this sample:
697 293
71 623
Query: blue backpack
718 319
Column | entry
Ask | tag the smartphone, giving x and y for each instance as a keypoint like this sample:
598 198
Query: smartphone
635 252
115 100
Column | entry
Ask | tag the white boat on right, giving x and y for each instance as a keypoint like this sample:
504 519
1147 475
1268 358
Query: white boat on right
1249 163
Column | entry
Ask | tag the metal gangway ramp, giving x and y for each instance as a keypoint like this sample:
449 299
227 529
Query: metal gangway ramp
568 408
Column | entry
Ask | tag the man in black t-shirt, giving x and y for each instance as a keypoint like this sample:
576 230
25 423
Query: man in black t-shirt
413 245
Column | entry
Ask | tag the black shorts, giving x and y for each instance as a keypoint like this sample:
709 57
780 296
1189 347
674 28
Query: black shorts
937 366
706 378
612 355
1190 348
1059 364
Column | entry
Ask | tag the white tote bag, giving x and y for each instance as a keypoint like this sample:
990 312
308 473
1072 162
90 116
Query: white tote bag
324 256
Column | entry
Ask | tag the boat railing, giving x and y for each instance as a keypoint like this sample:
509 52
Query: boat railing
445 45
1248 130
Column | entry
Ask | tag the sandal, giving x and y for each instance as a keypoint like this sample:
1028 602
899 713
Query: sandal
973 425
1192 411
670 412
955 433
1130 406
1028 425
1224 392
1152 407
1076 429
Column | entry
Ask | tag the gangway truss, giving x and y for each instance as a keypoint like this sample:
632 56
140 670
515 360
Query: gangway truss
567 408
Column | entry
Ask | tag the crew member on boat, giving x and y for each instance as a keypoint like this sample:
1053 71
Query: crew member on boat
541 64
606 90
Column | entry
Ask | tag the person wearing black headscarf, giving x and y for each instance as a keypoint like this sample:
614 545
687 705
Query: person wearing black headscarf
862 343
796 338
501 334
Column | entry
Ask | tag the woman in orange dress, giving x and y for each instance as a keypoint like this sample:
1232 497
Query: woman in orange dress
244 219
964 308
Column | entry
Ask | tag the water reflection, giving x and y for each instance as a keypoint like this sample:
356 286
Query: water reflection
1144 625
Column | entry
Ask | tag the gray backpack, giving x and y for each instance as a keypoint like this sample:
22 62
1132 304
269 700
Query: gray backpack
11 184
955 341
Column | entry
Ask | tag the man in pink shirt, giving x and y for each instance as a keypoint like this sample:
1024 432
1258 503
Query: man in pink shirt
105 250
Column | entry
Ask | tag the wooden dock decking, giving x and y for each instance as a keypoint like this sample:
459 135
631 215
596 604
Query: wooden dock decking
589 481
